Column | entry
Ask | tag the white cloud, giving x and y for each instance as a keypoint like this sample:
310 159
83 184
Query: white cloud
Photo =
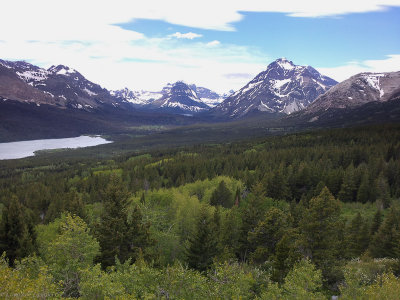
213 43
189 35
85 36
340 73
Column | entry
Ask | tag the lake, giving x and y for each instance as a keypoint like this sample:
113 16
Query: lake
15 150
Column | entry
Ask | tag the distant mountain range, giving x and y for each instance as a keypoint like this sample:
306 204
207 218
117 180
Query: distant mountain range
178 97
282 88
65 87
35 101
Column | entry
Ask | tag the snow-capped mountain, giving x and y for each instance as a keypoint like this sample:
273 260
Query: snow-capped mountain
282 88
176 96
358 90
180 98
137 98
208 96
65 86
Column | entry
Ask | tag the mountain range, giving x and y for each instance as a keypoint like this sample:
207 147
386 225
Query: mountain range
45 98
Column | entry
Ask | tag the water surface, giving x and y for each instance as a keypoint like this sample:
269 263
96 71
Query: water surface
14 150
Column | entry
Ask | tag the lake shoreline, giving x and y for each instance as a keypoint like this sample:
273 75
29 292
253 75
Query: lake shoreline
23 149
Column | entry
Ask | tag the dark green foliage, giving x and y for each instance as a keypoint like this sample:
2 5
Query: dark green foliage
17 237
222 196
348 189
364 193
382 191
386 240
286 255
376 222
126 198
251 213
119 236
203 243
357 237
267 234
319 233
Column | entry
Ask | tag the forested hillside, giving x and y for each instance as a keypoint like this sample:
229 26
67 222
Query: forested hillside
299 216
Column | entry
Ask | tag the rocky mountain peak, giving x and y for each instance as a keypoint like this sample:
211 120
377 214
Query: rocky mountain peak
282 88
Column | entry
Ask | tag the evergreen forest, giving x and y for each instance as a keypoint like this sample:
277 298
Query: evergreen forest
306 215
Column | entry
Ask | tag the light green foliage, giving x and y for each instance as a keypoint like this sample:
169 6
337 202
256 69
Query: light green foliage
19 284
173 213
205 188
236 281
115 172
69 251
387 286
97 284
303 282
359 274
350 209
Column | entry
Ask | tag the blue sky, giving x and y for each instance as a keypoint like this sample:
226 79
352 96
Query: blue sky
326 42
217 44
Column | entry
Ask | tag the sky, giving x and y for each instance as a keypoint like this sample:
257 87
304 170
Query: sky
218 44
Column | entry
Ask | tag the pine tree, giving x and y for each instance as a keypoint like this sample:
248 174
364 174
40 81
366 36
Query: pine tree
286 255
364 193
202 245
252 212
348 188
278 186
318 232
117 236
386 239
356 237
382 191
222 196
17 236
267 234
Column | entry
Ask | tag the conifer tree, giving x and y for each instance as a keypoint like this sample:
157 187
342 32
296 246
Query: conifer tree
356 237
382 191
17 237
252 212
222 196
202 245
286 255
318 232
364 193
267 234
386 239
118 236
348 188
